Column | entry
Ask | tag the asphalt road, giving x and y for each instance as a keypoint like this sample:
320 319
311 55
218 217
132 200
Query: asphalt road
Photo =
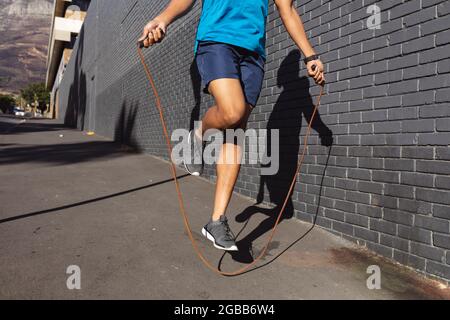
69 199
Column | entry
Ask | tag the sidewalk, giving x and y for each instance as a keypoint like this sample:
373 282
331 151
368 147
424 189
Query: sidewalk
72 199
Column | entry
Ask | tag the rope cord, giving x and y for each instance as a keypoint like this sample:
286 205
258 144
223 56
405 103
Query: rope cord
177 186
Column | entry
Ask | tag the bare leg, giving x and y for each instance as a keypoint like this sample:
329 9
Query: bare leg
230 111
230 108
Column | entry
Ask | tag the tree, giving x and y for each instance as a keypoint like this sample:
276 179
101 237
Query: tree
36 92
7 103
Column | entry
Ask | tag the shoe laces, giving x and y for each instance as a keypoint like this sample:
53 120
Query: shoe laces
229 235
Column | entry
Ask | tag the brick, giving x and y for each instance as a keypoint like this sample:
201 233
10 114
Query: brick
443 8
370 187
399 164
432 195
406 112
443 38
383 226
433 166
434 111
438 269
418 99
436 82
441 240
386 176
414 206
345 206
375 91
342 227
417 152
443 66
435 25
370 163
359 151
398 216
366 234
419 44
419 17
402 139
380 249
417 179
367 210
440 138
356 219
403 87
398 190
432 223
360 128
435 54
372 116
387 102
424 70
404 9
415 234
389 77
362 174
386 152
384 201
443 96
353 95
358 197
403 62
387 127
409 260
443 182
394 242
428 252
442 153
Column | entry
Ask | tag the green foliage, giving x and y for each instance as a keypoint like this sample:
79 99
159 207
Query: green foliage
7 102
36 92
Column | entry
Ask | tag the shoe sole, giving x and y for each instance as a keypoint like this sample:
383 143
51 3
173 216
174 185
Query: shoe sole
210 237
195 173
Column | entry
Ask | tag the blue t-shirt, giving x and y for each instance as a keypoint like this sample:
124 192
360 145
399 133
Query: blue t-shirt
238 22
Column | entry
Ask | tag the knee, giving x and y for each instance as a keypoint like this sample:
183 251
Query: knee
234 116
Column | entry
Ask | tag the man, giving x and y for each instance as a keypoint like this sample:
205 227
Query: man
230 55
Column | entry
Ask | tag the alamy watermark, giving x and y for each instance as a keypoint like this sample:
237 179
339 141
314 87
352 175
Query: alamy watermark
255 141
73 282
374 21
374 280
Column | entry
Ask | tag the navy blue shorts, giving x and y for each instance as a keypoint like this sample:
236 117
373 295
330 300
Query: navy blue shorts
216 60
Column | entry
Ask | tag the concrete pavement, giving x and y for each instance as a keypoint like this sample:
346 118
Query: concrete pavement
72 199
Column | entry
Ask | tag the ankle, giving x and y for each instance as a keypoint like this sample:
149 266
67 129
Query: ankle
216 217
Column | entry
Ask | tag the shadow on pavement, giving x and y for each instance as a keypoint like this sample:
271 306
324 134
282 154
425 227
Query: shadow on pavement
84 202
60 154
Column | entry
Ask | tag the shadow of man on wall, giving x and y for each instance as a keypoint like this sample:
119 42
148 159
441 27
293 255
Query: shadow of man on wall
293 104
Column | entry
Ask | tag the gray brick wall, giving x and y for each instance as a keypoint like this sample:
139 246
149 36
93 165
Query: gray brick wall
384 182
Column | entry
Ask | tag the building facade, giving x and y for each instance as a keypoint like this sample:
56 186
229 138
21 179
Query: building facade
67 20
377 170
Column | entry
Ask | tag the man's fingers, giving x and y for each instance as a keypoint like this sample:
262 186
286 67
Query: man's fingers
159 33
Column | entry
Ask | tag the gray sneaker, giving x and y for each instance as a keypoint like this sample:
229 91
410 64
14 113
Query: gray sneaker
192 164
220 234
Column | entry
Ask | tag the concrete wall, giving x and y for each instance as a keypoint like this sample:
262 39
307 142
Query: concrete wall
377 170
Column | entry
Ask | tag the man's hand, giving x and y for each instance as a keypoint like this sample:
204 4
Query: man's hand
154 32
316 72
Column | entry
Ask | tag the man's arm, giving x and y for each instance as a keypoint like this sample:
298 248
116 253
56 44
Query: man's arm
294 26
155 29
